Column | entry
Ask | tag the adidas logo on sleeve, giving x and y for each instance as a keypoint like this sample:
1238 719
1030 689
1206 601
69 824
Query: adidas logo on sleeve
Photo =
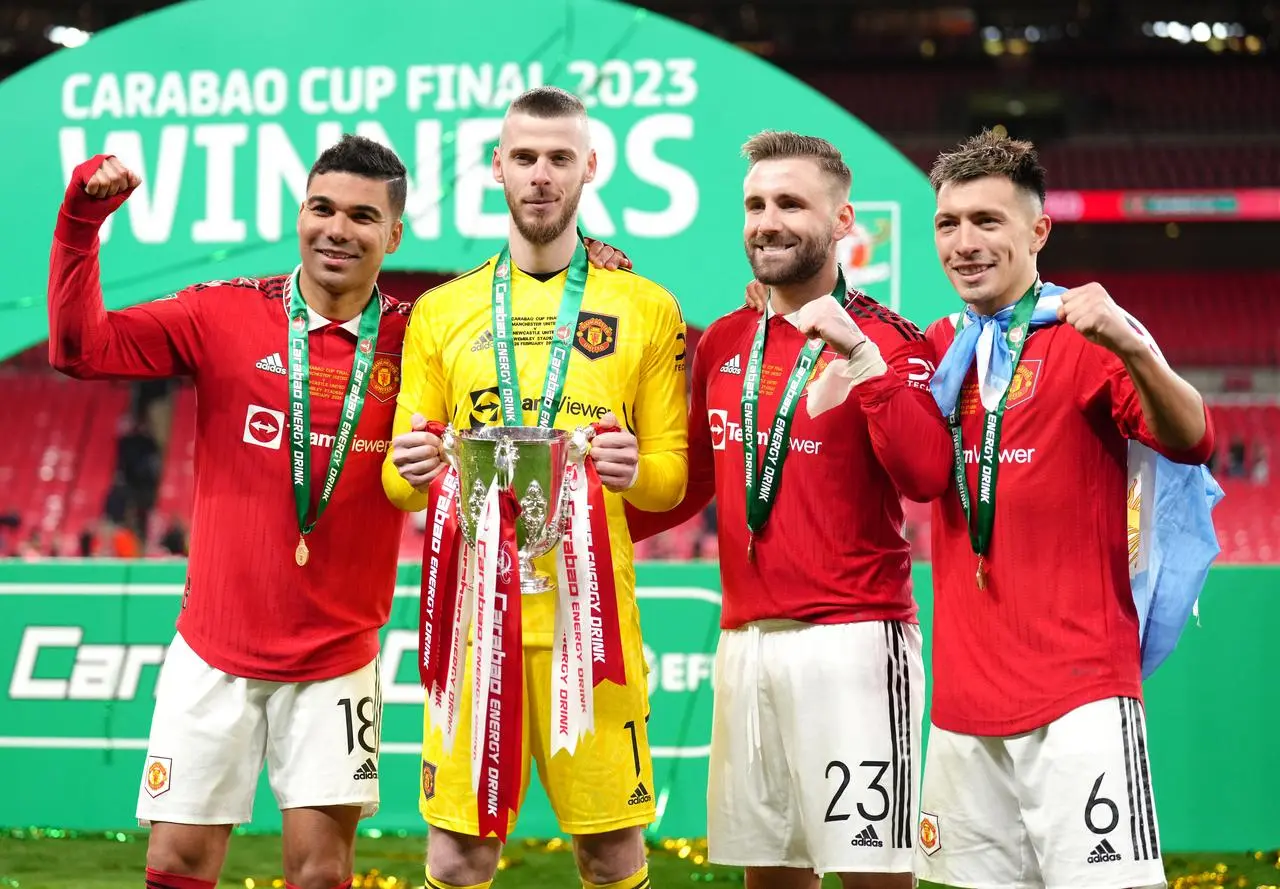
273 364
1104 851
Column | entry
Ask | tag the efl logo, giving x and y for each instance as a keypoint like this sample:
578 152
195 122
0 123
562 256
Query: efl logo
263 427
719 423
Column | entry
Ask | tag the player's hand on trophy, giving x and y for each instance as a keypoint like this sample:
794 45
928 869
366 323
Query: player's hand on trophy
616 455
111 179
417 455
757 295
602 256
827 320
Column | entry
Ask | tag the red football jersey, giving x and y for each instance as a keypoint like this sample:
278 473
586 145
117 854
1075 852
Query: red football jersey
249 610
833 550
1055 627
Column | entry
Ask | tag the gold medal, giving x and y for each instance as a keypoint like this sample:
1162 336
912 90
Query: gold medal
301 554
981 575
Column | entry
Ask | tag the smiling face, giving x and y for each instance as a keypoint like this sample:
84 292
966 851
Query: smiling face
794 217
543 163
345 228
988 232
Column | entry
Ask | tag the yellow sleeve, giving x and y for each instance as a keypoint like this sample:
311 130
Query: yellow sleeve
422 391
661 420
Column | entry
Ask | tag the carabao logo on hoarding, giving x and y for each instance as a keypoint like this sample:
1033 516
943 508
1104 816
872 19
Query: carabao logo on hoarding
66 676
870 254
97 672
223 131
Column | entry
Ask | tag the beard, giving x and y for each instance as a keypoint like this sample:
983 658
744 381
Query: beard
806 259
544 231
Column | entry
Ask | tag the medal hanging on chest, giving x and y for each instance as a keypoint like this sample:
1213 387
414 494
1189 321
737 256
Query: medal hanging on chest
765 480
989 447
300 408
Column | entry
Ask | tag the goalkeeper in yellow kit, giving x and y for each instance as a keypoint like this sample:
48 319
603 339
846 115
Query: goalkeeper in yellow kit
625 368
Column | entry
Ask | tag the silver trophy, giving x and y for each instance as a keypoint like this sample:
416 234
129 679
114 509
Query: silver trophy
533 462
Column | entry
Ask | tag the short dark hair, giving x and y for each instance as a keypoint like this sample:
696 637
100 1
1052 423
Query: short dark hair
770 145
548 101
372 160
991 154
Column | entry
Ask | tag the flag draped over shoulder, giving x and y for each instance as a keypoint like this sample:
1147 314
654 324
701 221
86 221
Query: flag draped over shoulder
1171 538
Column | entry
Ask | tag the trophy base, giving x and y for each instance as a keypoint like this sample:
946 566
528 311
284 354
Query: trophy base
531 580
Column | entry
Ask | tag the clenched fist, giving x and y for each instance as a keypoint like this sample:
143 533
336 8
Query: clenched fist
1092 311
826 319
616 455
417 455
111 179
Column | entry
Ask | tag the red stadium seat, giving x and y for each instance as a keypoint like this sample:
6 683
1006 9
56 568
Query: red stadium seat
56 475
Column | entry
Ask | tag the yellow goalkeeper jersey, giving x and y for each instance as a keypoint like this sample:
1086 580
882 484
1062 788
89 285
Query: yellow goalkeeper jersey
628 358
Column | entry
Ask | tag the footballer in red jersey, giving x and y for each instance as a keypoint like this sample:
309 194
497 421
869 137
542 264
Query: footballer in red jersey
279 623
1037 771
819 682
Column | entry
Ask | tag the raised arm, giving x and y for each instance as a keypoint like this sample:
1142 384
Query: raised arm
1172 413
888 367
155 339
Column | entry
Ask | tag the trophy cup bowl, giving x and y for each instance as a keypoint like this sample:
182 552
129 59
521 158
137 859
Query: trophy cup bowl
532 461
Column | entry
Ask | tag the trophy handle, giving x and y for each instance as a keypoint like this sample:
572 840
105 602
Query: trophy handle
449 445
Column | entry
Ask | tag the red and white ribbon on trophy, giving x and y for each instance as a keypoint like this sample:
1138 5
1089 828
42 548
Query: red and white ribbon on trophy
462 588
587 640
497 666
448 586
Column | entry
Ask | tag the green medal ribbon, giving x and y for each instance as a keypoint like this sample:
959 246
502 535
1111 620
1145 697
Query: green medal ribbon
300 406
763 482
504 348
989 446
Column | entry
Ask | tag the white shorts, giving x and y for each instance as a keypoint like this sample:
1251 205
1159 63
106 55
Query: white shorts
815 746
211 732
1066 805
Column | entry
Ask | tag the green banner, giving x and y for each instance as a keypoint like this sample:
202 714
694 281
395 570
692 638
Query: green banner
223 129
81 644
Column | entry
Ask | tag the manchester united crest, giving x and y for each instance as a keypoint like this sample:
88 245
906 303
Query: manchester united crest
930 833
1023 385
596 335
158 775
818 368
428 780
384 377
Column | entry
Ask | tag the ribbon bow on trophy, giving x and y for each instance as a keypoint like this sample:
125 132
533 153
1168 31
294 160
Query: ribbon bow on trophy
515 493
